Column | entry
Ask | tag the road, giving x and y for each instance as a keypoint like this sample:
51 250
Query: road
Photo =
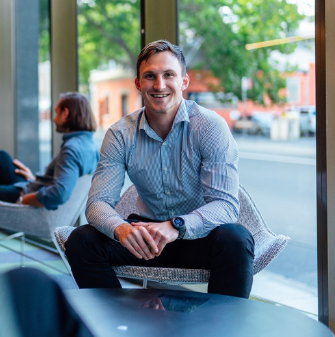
281 178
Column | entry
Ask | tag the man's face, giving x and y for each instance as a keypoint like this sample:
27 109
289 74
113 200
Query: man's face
161 83
60 119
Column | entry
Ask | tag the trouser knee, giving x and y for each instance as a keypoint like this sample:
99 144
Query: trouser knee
5 156
81 241
234 239
6 161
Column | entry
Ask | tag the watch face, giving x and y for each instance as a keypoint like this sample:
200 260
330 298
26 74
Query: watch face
179 222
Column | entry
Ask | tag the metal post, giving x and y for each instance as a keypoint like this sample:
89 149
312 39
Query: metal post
145 281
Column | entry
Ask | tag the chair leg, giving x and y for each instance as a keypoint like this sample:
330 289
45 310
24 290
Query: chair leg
23 239
64 258
18 235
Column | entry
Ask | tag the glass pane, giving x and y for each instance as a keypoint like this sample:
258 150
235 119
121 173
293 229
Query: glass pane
109 41
254 65
44 85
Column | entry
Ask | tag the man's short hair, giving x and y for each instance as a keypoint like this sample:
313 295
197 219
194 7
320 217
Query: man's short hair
158 47
80 117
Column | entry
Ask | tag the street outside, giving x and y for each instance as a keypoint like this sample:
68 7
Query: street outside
281 178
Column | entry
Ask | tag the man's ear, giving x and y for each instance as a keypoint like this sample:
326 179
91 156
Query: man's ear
137 84
186 82
65 113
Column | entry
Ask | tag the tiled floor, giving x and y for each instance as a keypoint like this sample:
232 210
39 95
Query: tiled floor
49 262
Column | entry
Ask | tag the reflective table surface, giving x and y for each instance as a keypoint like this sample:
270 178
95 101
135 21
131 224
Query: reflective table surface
146 312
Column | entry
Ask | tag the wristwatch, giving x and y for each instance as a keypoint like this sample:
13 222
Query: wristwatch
179 224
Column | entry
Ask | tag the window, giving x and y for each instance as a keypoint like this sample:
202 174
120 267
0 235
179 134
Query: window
109 42
262 81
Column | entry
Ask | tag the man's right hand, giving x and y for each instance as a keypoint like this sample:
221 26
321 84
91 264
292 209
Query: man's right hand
137 240
23 170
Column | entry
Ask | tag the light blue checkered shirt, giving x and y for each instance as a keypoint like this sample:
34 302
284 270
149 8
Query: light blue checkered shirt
192 173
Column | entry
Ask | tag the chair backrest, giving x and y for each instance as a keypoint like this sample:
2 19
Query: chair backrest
41 222
128 203
267 244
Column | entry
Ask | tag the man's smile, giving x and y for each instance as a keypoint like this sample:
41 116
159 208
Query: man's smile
159 95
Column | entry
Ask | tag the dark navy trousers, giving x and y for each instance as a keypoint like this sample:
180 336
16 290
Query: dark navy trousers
228 251
8 177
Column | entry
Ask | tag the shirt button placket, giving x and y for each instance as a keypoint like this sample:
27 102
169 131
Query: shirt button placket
164 158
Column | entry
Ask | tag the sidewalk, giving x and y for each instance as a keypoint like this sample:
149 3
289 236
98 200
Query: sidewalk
285 291
279 290
302 147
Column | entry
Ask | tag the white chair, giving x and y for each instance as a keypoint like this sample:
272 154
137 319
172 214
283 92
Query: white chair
40 222
267 244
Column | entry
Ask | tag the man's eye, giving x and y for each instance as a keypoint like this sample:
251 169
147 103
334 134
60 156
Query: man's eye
149 76
168 74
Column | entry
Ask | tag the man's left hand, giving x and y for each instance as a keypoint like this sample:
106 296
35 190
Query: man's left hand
30 199
162 233
23 170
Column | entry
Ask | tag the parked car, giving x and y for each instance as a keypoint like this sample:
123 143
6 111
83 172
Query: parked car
259 123
307 119
263 123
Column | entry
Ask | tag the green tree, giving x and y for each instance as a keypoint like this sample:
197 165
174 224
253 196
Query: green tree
44 26
107 30
225 27
110 29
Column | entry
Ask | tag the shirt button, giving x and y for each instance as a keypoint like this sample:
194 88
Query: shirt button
168 192
165 168
172 213
164 144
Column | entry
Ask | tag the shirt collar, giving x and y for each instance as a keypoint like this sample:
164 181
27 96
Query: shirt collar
69 135
181 116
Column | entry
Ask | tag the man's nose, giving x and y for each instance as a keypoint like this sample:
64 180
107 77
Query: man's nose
159 83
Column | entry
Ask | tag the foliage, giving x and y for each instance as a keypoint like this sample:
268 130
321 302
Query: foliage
226 26
44 26
110 29
107 30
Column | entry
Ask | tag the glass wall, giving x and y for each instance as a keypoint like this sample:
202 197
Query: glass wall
254 64
109 41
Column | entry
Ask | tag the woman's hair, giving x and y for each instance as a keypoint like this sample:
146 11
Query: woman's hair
80 117
158 47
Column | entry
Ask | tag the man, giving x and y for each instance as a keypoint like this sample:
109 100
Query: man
79 155
183 161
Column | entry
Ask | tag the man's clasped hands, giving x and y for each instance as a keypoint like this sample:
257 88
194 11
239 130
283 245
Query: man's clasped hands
146 240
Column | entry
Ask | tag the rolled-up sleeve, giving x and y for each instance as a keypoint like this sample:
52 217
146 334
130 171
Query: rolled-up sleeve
66 173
